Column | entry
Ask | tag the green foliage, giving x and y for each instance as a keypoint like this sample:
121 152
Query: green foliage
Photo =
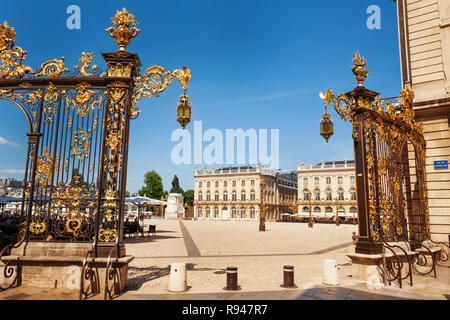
153 187
189 197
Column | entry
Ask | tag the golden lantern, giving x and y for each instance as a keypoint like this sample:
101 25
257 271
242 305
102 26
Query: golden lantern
184 110
326 125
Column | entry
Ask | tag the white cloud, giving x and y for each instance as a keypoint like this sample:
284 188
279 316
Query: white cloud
11 143
13 171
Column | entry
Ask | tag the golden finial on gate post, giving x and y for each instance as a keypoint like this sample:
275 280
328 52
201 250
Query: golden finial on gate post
359 69
126 28
7 35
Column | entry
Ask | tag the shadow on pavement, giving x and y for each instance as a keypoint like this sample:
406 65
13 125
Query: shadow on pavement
138 276
143 239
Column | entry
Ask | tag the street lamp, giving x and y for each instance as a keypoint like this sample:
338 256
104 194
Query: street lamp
184 110
262 214
310 221
337 216
326 125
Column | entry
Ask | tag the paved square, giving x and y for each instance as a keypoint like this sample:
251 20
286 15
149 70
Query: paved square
208 247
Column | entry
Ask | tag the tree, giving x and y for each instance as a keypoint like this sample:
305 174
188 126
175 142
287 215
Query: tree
153 187
189 197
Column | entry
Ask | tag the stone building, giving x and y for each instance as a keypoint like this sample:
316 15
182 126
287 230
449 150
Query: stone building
332 186
236 193
424 41
11 187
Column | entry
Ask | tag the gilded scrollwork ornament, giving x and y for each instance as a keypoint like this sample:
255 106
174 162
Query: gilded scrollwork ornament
52 68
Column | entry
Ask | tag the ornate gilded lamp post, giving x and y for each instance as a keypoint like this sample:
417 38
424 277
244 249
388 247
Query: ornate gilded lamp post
310 221
337 215
262 214
80 118
381 132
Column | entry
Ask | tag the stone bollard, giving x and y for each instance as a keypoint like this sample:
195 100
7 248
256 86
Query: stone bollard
232 275
330 272
288 277
177 278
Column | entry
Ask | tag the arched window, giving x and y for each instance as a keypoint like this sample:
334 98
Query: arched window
208 184
243 213
216 196
199 212
233 212
234 183
316 180
329 194
217 184
252 196
242 195
252 213
352 194
340 180
305 180
252 182
328 210
328 180
317 209
199 184
208 196
225 183
225 196
305 209
354 212
341 211
233 196
305 194
317 194
208 212
200 196
243 183
341 194
216 212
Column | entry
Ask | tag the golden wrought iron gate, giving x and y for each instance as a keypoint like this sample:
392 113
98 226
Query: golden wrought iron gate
389 163
76 165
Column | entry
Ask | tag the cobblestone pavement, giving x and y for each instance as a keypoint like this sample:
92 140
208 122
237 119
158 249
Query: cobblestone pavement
208 247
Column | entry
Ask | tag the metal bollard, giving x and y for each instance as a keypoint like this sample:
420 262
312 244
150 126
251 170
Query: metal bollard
232 278
288 277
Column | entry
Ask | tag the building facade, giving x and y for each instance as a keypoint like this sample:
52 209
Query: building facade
424 41
240 193
327 188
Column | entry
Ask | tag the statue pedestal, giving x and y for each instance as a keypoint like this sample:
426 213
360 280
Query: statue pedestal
175 208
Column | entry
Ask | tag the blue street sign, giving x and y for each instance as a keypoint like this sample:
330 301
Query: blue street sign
441 164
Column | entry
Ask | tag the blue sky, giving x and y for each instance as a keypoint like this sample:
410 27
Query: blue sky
255 64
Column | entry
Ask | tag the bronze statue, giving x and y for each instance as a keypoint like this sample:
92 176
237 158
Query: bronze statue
176 185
